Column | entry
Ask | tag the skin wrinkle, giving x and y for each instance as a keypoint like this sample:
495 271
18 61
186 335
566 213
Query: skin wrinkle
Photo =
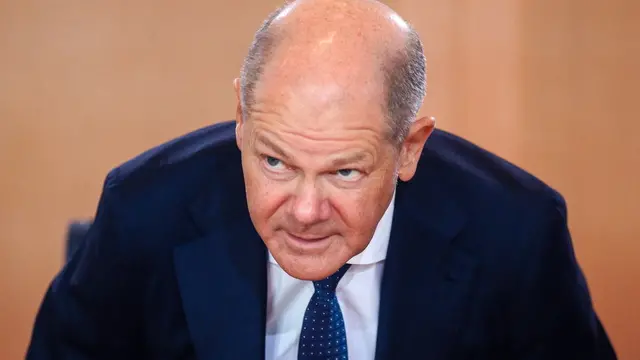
310 135
317 107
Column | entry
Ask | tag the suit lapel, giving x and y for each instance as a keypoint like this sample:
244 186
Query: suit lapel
426 277
223 281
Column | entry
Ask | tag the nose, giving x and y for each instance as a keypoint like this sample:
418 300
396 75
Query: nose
309 205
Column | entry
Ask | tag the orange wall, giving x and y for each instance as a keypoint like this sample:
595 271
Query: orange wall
86 85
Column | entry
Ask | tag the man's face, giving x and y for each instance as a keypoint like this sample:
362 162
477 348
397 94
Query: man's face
319 172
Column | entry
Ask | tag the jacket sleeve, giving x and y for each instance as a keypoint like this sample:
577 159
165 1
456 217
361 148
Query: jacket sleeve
91 308
552 316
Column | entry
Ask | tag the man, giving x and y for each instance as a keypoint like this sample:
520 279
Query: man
320 226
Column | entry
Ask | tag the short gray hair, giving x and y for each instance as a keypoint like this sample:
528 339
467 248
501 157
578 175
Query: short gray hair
404 71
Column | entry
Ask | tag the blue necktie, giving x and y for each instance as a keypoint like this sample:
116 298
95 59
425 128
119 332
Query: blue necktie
323 335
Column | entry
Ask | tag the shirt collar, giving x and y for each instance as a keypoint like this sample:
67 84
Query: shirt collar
376 251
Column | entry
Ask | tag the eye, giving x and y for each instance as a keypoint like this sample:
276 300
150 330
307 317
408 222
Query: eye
274 163
348 174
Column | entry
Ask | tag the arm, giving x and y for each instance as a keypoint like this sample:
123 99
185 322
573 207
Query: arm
90 308
552 316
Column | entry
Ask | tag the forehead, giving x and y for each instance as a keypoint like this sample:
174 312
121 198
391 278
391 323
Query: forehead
320 114
324 99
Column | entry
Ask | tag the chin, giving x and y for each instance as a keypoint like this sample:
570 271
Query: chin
307 274
306 267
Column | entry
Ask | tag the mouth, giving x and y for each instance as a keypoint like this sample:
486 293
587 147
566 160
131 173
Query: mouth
307 242
307 237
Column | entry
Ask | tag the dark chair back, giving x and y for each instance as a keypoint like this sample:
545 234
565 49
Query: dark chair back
75 235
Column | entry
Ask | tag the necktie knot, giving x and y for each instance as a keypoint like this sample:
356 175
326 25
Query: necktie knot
328 285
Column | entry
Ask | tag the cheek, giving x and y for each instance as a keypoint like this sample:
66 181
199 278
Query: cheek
263 196
360 211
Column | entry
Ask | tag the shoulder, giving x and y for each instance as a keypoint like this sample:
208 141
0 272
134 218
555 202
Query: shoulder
180 159
506 211
481 179
126 256
509 215
148 196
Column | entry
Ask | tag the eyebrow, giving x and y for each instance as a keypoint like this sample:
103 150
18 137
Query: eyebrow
349 159
264 140
337 162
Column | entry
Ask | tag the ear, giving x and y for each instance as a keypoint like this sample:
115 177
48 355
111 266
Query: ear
412 146
239 119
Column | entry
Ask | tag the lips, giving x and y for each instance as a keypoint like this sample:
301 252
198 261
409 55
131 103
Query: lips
308 244
306 237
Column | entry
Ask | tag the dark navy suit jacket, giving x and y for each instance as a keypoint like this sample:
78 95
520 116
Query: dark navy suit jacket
480 265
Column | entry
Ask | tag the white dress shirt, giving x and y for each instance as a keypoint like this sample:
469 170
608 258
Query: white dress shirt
358 294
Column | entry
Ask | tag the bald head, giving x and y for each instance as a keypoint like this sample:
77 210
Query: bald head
357 42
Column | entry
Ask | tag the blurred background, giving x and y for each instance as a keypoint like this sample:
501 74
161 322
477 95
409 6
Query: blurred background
84 85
